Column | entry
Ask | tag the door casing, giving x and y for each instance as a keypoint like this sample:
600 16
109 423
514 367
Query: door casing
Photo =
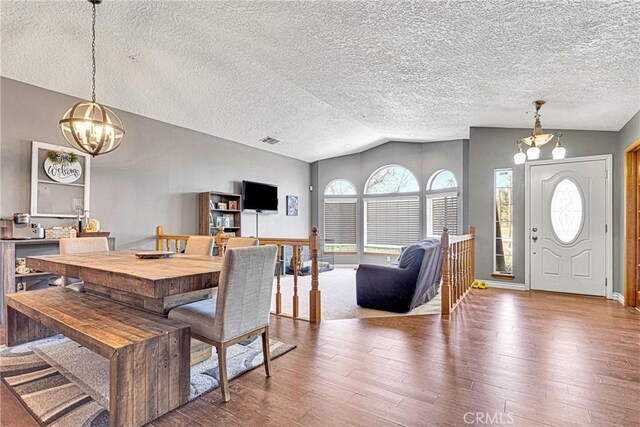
609 215
631 225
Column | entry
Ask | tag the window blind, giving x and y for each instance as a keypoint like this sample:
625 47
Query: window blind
392 222
340 222
442 211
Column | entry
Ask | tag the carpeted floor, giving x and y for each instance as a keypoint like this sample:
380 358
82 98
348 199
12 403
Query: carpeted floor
65 385
338 289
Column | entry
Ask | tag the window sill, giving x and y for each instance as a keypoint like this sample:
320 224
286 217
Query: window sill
340 253
502 276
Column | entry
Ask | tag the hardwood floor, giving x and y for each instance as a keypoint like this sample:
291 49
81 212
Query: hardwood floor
504 357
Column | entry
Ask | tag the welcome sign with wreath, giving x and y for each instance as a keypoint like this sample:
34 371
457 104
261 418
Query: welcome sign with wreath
62 166
59 181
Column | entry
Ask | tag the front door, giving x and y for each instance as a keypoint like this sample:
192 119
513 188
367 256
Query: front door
568 226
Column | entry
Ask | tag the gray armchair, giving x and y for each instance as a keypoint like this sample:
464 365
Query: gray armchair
402 287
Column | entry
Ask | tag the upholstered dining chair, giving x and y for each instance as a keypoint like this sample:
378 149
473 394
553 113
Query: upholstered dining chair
241 242
241 309
81 245
199 245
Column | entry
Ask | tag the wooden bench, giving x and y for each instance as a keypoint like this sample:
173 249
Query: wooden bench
149 355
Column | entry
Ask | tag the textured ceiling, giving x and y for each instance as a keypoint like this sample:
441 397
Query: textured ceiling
330 78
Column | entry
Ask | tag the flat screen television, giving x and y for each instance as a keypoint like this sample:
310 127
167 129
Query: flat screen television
259 197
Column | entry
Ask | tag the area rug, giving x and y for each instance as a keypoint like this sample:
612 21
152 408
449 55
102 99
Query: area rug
63 384
338 288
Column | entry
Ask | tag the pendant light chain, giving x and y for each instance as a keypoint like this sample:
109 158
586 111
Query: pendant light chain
89 126
93 55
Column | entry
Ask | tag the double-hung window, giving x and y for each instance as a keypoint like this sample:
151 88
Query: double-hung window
391 210
340 217
442 203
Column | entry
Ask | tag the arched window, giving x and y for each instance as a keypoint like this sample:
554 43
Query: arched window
442 203
340 187
391 179
340 220
392 213
441 180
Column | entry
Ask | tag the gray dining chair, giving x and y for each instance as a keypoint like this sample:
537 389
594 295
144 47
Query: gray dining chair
199 245
241 308
241 242
80 245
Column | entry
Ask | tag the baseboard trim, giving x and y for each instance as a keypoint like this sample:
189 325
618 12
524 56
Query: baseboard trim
505 285
618 297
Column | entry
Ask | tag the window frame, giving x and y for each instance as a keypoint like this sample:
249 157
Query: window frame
433 177
334 199
355 189
400 197
495 273
436 194
431 193
393 194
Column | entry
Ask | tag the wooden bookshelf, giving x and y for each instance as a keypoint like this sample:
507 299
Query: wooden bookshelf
211 213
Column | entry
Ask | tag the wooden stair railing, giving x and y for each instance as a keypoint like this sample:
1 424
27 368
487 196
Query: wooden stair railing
164 241
458 268
313 242
177 242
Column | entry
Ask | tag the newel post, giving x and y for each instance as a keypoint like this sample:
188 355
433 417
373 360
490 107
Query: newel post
314 293
446 273
159 232
219 242
472 231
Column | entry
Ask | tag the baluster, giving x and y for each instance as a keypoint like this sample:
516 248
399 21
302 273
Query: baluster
460 272
446 273
456 272
279 270
295 281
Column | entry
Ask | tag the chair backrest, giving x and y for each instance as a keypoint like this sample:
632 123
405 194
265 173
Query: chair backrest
242 242
244 291
199 245
82 245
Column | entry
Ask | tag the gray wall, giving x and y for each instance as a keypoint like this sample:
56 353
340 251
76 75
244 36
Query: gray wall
493 148
153 178
627 135
423 159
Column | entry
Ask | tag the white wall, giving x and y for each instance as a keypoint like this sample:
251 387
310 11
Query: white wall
153 178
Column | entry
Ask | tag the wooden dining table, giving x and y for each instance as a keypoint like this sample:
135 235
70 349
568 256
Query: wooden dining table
153 285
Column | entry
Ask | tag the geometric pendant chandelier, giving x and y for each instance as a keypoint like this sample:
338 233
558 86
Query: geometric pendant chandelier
537 139
89 126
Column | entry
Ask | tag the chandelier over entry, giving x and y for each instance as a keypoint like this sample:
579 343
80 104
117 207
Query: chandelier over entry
537 139
88 125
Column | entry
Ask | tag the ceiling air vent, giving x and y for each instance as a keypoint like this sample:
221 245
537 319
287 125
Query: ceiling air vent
270 140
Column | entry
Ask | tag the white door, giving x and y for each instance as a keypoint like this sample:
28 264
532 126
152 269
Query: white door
567 227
